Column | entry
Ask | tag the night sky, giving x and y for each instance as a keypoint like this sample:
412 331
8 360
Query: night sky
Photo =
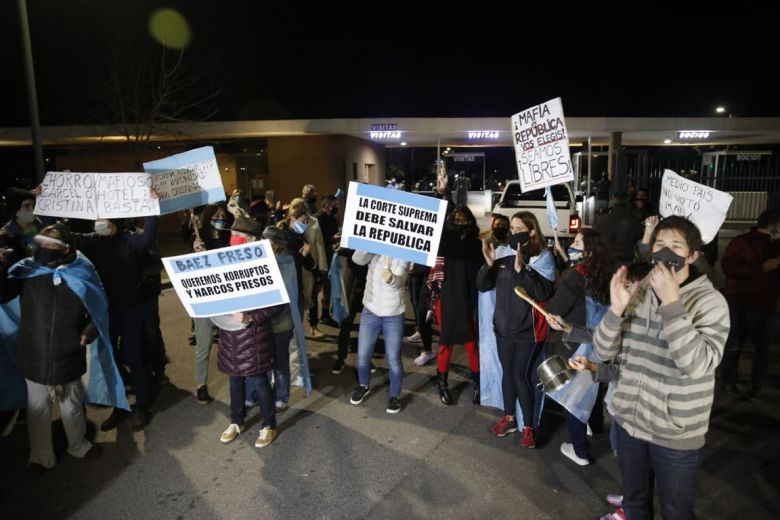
388 60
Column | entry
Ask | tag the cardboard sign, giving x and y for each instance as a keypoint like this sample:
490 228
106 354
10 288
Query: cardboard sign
227 280
541 144
704 206
394 223
186 180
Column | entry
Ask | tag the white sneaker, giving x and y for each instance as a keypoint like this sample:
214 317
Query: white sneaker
568 450
414 338
232 431
424 358
266 437
316 334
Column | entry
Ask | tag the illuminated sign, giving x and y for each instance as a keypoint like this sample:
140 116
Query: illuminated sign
484 134
694 134
385 135
384 127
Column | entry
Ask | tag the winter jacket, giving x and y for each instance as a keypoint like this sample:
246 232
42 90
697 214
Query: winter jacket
249 351
381 298
668 356
462 260
746 281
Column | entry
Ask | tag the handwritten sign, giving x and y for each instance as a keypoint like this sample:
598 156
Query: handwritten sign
704 206
227 280
542 146
186 180
394 223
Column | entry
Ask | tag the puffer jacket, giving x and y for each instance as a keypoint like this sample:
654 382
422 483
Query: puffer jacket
53 319
249 351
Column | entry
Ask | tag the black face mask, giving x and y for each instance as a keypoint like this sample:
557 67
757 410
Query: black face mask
668 258
47 257
518 239
500 233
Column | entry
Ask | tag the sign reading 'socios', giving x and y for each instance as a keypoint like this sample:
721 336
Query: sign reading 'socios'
392 222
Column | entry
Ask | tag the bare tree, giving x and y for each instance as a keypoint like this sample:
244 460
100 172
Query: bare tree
140 97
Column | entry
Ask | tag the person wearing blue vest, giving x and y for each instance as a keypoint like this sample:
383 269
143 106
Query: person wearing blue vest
63 309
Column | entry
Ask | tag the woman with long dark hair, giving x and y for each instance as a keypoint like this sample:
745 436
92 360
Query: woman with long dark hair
581 299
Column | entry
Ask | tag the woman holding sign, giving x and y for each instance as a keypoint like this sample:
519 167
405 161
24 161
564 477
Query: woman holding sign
384 304
520 330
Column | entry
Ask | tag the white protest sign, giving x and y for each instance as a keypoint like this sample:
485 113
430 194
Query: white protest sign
186 180
227 280
542 146
67 194
704 206
393 222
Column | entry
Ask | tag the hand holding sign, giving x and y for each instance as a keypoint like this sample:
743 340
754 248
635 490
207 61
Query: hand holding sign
703 205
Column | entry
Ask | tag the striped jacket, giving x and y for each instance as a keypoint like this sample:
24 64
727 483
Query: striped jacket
668 355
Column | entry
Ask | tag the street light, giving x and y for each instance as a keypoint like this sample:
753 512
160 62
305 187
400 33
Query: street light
667 141
720 110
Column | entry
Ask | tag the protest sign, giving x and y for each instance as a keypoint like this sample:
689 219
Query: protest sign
704 206
186 180
542 146
227 280
182 181
394 223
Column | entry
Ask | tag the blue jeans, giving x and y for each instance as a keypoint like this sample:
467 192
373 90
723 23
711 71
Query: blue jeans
282 366
259 388
392 329
675 478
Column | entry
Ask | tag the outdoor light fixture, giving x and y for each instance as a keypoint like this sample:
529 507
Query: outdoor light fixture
720 110
667 141
694 134
403 143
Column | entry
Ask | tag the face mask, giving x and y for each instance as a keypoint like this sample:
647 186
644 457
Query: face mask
518 239
102 228
575 255
236 240
669 258
500 233
25 216
219 224
300 227
461 228
46 256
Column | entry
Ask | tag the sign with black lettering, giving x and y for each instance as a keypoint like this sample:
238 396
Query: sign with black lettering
227 280
395 223
542 146
704 206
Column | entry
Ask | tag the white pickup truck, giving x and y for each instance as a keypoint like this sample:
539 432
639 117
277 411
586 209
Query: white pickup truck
566 205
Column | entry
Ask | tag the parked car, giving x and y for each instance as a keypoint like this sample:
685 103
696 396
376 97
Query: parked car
566 205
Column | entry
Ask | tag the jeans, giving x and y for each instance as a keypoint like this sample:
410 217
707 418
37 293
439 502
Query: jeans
675 478
259 388
282 365
392 329
758 324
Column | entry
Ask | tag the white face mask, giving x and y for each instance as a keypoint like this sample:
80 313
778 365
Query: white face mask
102 228
25 216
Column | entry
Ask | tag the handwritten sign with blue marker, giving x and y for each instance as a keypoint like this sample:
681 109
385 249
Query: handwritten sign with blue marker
394 223
186 180
227 280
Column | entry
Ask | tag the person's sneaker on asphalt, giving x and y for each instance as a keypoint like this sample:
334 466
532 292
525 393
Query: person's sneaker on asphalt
424 358
338 366
619 514
266 437
139 418
414 338
373 368
359 394
504 426
316 334
231 432
528 438
568 450
202 395
393 405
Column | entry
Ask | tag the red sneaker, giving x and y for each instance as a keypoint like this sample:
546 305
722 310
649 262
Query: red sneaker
528 438
504 426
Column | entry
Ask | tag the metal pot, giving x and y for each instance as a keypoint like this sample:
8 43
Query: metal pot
554 373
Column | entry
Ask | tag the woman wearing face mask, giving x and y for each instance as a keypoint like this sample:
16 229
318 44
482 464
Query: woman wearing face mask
213 233
64 308
453 285
520 331
581 298
499 231
19 231
294 228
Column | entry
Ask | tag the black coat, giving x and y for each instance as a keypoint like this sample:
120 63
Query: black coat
462 260
513 316
249 351
53 319
621 228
